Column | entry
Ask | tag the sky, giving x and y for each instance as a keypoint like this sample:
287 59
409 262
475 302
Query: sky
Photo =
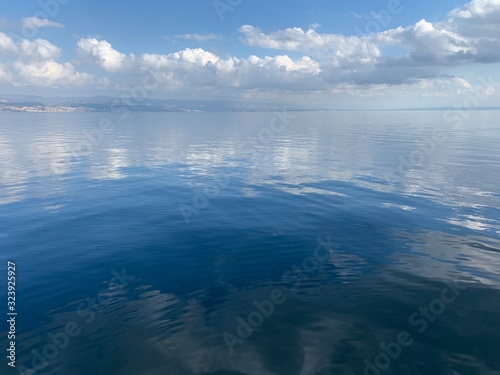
328 53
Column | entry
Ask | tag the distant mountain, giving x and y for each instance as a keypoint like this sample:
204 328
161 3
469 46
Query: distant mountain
33 103
105 103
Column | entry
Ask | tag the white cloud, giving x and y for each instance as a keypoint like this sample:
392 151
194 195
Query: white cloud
197 67
198 37
103 54
476 8
35 22
6 43
296 39
49 73
33 63
479 21
39 49
470 35
428 42
285 63
196 56
340 49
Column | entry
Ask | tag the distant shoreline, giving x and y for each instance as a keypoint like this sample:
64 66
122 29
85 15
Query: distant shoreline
12 108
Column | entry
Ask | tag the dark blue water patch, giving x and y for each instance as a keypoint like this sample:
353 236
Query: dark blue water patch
382 307
117 226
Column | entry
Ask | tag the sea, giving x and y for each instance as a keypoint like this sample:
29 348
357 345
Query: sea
250 243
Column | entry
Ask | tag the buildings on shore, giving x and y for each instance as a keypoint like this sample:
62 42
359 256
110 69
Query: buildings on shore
41 108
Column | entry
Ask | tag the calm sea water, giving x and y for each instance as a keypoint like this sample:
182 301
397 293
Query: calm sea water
252 243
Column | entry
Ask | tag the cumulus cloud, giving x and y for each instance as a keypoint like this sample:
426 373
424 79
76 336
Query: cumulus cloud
477 8
283 62
200 67
103 54
469 35
39 49
49 73
479 21
195 56
429 43
295 39
35 22
337 56
34 63
6 43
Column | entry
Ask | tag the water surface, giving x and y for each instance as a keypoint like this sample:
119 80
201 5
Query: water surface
356 220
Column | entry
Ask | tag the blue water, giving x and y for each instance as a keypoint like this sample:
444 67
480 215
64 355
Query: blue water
346 242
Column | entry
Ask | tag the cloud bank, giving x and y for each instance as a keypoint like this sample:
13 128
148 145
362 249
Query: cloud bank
295 60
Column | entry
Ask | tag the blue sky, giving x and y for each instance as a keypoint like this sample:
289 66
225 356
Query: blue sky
337 54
